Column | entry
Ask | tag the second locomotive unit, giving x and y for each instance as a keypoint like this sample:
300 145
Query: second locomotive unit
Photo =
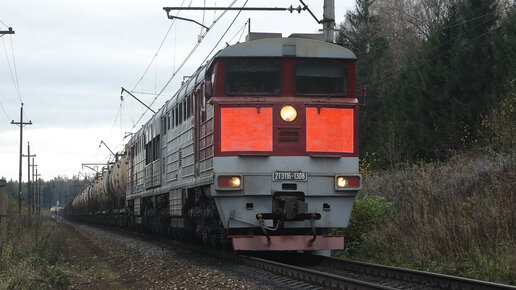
259 147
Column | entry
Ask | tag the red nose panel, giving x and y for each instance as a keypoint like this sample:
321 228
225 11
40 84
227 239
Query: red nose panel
329 130
246 129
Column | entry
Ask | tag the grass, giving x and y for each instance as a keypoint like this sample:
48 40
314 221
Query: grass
456 217
29 257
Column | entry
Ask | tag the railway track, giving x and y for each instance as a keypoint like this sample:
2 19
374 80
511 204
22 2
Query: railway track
332 273
379 276
302 271
412 279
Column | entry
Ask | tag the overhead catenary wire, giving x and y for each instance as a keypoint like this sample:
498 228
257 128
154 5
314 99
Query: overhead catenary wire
158 50
243 30
116 117
203 15
165 37
225 32
240 31
193 50
201 38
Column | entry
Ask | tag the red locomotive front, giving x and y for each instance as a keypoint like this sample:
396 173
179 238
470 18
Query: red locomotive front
285 134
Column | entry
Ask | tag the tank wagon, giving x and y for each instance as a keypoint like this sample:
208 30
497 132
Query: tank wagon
259 147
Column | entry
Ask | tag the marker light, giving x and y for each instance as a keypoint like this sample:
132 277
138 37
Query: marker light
288 113
348 182
229 182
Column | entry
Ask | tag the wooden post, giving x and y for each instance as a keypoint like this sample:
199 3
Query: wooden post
28 178
3 211
38 191
21 123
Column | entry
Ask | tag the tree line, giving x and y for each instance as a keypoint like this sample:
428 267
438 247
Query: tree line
439 77
58 190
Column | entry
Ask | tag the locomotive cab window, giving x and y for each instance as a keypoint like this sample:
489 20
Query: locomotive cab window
321 77
252 77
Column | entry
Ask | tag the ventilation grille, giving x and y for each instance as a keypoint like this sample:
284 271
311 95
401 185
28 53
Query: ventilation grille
289 135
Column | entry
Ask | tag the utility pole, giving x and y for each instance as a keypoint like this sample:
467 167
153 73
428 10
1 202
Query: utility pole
329 20
39 192
3 211
34 185
28 176
21 124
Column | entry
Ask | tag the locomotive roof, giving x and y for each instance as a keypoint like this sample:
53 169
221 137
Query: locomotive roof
281 47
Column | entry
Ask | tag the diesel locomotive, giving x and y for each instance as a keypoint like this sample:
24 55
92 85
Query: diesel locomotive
258 149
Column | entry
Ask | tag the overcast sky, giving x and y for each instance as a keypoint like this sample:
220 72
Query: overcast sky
70 58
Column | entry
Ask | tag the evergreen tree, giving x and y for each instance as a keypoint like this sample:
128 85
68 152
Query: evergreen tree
361 35
437 102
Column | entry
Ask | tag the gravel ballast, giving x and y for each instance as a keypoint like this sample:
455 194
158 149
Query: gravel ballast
137 263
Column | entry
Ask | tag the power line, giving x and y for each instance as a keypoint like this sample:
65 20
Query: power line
15 69
3 23
3 109
11 72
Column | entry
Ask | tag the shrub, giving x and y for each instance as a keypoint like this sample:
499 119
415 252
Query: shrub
54 275
28 259
369 212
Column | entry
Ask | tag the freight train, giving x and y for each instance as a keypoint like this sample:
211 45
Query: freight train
257 150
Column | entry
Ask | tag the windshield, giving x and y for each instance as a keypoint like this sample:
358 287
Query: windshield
252 77
321 77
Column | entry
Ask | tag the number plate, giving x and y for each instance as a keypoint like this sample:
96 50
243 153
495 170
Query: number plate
289 176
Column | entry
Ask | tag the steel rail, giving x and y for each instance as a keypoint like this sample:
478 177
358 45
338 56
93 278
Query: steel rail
317 278
439 280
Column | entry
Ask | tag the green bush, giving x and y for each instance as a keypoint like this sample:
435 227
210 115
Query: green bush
369 212
54 275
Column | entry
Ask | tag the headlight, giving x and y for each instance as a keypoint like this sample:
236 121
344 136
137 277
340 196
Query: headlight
229 182
288 113
347 182
342 182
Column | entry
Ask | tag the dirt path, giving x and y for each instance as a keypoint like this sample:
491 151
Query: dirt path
89 267
94 258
